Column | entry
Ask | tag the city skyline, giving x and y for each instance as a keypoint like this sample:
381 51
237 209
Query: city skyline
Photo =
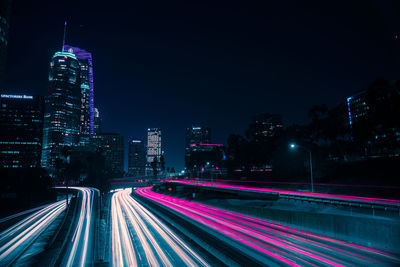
195 133
266 79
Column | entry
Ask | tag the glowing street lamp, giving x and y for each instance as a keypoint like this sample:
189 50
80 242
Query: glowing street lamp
294 146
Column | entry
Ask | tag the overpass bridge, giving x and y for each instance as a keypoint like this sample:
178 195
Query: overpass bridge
126 182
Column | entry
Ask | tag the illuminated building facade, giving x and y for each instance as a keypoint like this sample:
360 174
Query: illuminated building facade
357 107
136 157
87 116
154 149
112 145
5 12
62 107
21 125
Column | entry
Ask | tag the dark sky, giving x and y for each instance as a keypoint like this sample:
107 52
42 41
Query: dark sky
173 64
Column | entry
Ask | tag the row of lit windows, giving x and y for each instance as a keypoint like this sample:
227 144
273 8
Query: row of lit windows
18 143
13 166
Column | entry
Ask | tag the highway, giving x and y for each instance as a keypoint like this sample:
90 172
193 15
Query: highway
15 240
139 238
347 198
271 243
80 246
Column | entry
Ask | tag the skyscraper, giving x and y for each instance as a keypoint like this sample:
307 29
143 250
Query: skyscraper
62 107
357 107
136 157
195 135
21 131
154 149
5 12
87 89
112 145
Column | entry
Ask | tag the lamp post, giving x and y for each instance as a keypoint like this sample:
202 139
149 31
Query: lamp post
294 146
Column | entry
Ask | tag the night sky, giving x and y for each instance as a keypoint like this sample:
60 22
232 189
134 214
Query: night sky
174 64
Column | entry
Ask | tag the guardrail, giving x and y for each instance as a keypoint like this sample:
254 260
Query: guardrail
332 199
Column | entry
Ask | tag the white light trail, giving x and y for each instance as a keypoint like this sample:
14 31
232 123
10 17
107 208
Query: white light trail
17 238
154 236
78 250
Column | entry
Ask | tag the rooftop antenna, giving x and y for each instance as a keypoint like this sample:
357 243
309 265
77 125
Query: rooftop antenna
65 29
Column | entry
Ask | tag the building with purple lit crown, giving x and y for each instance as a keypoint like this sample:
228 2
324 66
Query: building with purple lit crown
87 116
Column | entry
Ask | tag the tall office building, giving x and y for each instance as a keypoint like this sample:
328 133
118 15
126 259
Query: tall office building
97 121
154 149
112 145
5 12
21 125
370 105
87 115
195 135
136 158
357 107
62 107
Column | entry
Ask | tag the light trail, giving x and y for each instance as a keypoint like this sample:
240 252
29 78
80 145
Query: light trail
278 242
77 252
368 200
155 245
16 239
16 215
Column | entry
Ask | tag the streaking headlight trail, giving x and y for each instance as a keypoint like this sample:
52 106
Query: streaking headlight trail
78 249
138 237
277 242
16 239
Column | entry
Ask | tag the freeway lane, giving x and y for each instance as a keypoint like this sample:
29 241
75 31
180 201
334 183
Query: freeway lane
79 250
272 242
367 200
139 238
15 240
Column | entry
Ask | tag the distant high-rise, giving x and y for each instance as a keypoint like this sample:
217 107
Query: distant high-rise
136 157
195 135
62 107
97 121
87 116
154 149
112 145
357 107
5 12
21 125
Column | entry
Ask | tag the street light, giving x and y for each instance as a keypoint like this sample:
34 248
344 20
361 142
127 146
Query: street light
294 146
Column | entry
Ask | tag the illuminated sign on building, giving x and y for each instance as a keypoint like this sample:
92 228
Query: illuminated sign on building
17 96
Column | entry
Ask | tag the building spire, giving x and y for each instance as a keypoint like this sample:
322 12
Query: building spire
65 29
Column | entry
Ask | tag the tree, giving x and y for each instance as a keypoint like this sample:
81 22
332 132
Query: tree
162 163
154 166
